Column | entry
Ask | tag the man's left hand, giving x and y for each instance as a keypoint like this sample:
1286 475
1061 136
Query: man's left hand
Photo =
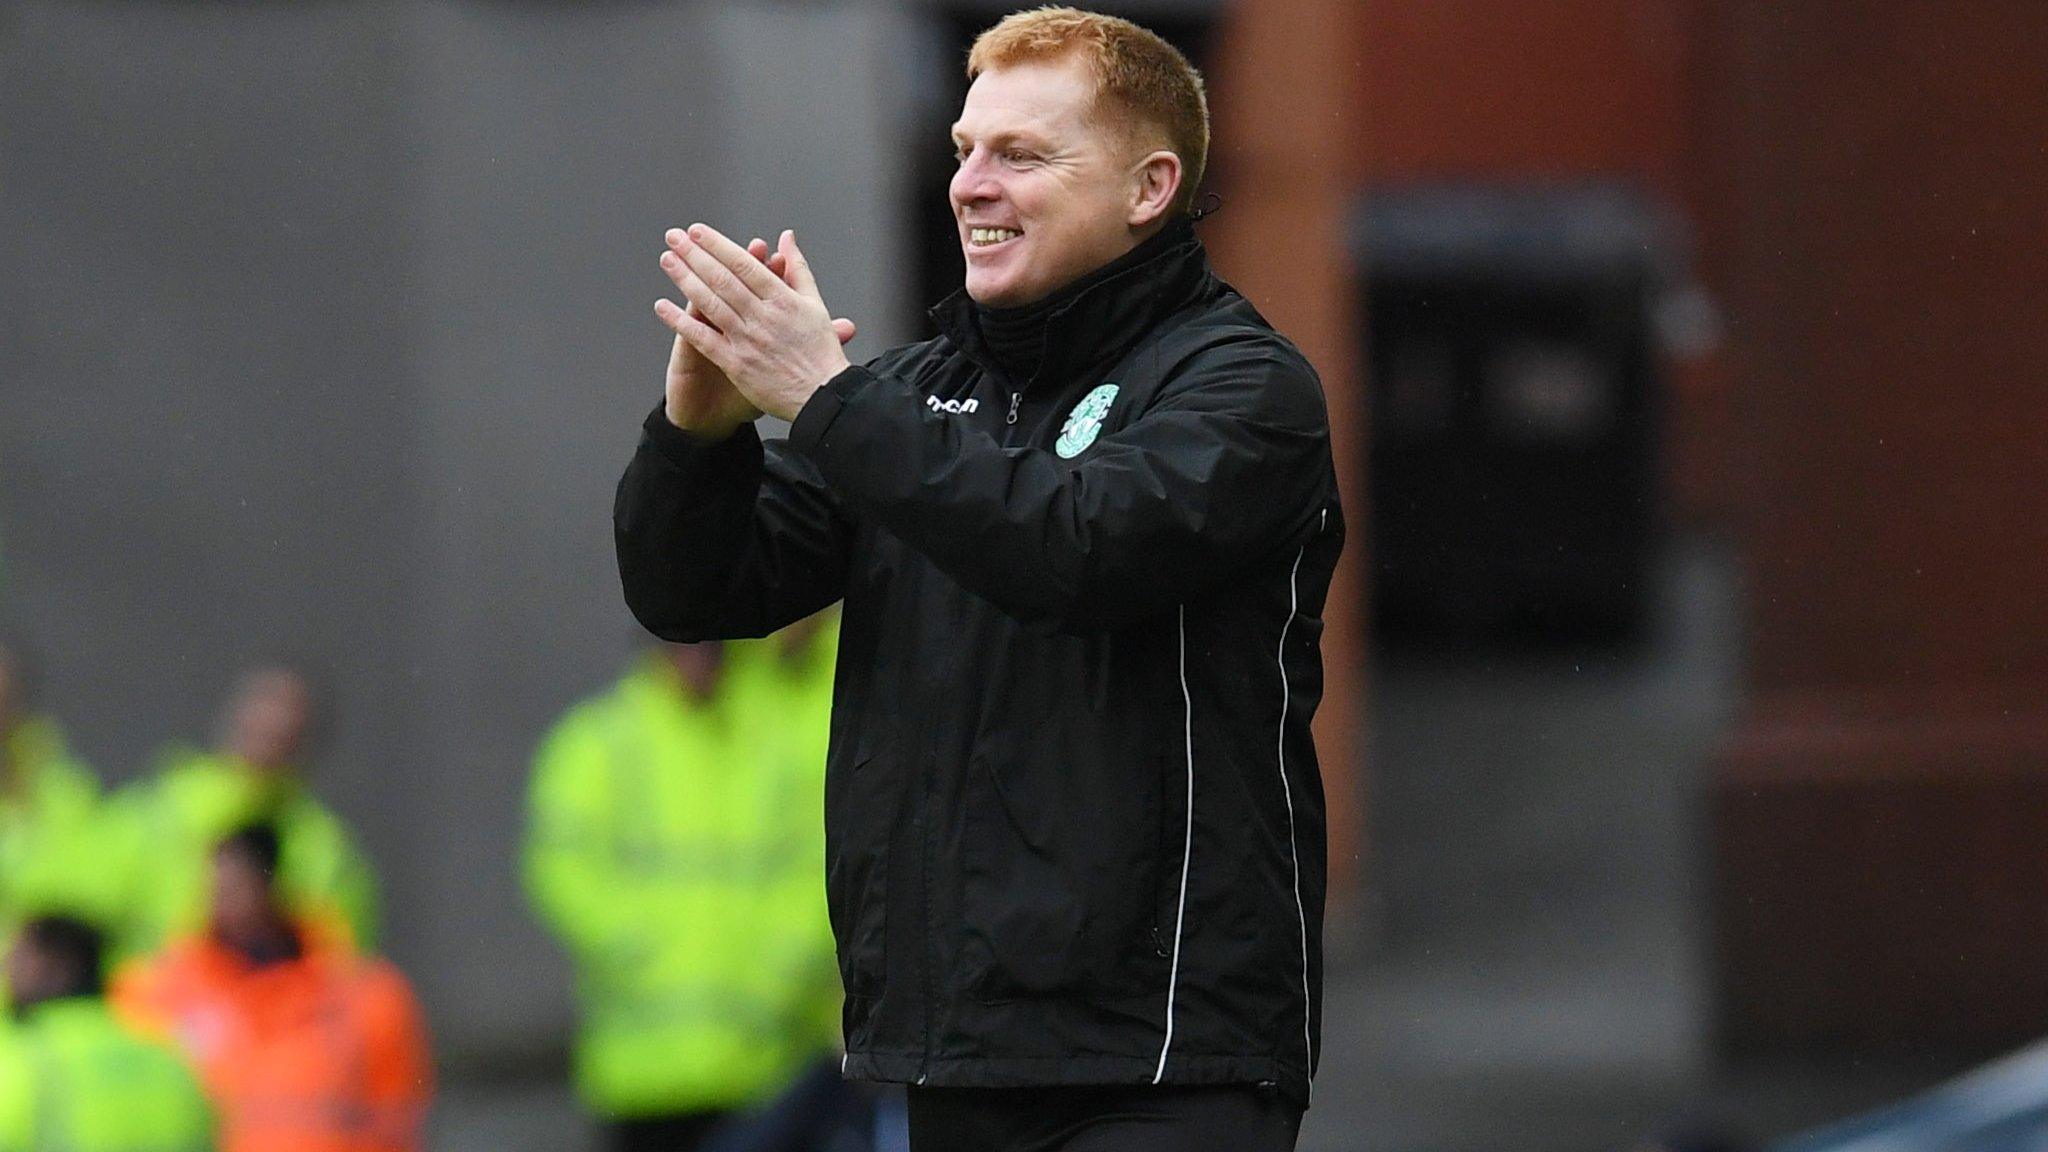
774 340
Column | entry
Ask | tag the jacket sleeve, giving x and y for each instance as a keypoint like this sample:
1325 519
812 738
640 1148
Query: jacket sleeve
352 888
567 859
327 874
129 835
1228 465
398 1072
719 541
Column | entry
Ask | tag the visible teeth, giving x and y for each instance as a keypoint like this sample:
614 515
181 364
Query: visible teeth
991 235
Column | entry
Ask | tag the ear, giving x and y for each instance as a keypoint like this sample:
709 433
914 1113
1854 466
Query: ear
1154 185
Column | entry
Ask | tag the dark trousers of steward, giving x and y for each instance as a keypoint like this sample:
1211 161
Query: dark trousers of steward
1195 1118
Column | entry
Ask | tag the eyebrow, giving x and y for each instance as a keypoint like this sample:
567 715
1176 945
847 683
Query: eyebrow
1006 137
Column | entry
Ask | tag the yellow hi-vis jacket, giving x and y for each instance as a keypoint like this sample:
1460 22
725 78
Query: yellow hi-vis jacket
676 848
169 824
52 838
73 1078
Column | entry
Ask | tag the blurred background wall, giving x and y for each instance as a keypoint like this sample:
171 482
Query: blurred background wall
327 330
1880 807
1847 385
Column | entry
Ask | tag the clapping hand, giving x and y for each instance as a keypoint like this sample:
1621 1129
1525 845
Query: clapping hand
700 397
757 318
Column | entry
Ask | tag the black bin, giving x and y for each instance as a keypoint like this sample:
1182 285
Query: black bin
1513 391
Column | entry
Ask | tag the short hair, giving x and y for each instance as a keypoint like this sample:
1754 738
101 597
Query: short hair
72 946
1136 71
258 844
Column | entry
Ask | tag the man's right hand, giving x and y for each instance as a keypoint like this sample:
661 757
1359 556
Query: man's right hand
700 399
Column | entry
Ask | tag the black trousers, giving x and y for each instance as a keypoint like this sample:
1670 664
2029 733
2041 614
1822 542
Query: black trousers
683 1132
1225 1118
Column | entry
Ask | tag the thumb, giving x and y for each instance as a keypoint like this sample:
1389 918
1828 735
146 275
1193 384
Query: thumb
800 277
843 329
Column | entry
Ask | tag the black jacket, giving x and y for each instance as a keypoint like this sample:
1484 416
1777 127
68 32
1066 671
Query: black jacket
1074 822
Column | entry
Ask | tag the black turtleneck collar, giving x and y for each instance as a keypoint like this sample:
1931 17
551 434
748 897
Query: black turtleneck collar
1097 313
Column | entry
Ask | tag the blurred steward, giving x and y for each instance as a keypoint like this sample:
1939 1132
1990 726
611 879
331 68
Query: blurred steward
171 821
72 1077
51 858
676 848
303 1044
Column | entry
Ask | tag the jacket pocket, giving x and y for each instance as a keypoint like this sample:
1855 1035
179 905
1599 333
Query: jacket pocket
860 803
1061 878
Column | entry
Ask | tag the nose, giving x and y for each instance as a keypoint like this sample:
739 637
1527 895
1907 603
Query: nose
974 182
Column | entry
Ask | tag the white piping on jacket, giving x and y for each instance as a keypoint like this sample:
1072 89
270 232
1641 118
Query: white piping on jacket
1287 791
1187 849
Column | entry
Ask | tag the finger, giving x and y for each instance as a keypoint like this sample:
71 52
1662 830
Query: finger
750 272
714 276
703 337
668 311
702 300
708 304
799 277
758 249
844 329
670 314
673 267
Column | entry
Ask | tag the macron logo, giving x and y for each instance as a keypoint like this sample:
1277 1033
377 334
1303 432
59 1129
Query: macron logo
957 407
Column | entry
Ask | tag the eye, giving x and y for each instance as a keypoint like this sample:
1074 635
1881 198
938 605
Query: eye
1017 156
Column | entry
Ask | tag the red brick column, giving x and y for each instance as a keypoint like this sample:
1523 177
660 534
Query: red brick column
1280 96
1880 818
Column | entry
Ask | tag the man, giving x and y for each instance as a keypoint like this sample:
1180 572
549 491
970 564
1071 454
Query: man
675 849
171 821
1074 821
51 847
73 1078
303 1045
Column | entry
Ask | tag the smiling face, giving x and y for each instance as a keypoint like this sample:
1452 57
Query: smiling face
1046 191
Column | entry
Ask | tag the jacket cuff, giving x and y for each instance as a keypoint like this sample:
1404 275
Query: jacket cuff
814 420
692 454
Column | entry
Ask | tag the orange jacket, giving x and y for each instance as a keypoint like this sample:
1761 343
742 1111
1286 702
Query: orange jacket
324 1053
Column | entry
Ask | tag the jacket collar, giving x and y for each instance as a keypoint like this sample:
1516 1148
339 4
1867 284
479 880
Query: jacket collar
323 943
1104 320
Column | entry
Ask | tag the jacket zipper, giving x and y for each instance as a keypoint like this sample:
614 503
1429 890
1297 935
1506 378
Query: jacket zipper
1016 398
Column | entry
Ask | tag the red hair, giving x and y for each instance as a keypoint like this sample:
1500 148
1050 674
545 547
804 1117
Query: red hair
1141 79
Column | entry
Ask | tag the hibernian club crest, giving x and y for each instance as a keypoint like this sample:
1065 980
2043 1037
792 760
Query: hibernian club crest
1084 423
